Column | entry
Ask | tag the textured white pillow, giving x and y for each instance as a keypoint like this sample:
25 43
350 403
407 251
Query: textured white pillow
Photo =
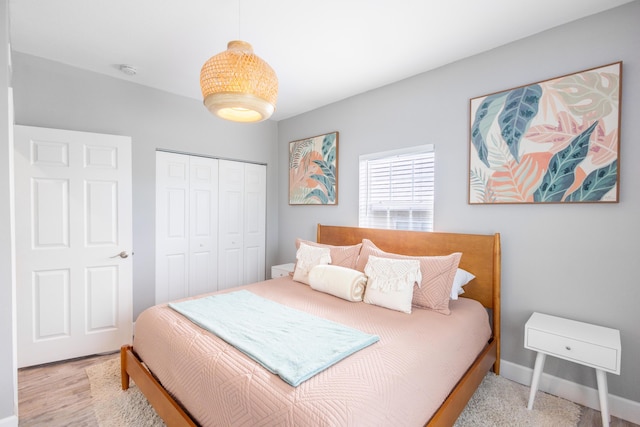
461 278
308 257
390 282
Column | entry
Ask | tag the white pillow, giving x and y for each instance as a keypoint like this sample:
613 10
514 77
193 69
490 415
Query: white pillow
390 282
461 278
308 257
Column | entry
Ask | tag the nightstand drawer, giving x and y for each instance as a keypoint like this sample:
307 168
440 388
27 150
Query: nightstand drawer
586 353
281 270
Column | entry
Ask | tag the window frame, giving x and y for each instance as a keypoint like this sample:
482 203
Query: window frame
426 187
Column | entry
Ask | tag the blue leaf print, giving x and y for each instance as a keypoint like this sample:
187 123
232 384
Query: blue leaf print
319 194
327 143
596 184
562 166
331 155
485 115
326 182
520 107
326 169
331 193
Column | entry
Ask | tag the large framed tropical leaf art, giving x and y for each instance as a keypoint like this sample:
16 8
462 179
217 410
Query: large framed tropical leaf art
313 170
555 141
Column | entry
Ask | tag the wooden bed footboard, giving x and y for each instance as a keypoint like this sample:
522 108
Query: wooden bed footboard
168 409
174 416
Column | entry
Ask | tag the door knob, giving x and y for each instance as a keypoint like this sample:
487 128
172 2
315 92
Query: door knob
122 254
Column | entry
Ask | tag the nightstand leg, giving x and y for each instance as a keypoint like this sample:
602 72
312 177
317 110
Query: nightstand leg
603 393
535 381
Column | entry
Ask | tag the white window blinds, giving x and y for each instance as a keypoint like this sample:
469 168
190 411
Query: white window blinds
397 189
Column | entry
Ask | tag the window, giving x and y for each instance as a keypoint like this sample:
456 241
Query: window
397 189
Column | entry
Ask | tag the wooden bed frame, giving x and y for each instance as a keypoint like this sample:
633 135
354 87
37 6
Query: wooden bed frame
481 256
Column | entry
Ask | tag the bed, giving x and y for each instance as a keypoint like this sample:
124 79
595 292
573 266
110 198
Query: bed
351 392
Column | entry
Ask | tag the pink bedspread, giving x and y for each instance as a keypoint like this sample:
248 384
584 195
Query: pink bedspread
401 380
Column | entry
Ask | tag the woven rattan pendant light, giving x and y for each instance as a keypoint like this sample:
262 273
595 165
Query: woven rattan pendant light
237 85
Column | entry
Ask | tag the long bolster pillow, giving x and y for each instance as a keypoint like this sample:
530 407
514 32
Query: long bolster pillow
338 281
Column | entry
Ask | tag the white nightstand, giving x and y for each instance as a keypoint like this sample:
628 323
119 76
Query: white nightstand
281 270
579 342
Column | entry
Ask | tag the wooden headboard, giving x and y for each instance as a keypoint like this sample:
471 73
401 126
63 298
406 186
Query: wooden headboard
480 256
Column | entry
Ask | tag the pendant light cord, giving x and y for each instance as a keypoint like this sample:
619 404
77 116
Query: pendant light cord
239 22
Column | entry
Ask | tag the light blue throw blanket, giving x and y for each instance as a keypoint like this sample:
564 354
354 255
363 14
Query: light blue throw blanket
290 343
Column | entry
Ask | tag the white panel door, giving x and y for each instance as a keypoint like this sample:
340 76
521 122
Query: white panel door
203 225
73 240
172 226
186 225
255 209
231 224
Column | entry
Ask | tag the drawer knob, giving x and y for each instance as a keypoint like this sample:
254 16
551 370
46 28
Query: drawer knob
567 347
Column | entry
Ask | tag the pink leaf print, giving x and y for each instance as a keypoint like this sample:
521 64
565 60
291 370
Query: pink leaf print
516 182
299 177
604 148
559 136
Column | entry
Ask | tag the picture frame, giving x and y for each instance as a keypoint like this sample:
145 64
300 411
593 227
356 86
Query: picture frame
313 170
554 141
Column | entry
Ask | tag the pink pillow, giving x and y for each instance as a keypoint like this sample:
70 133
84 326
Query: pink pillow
344 256
437 276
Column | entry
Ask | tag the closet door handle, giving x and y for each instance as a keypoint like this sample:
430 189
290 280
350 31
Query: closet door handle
122 254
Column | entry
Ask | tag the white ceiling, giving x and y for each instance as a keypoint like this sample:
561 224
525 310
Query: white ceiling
323 51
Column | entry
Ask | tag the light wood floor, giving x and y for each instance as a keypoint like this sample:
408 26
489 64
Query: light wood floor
58 394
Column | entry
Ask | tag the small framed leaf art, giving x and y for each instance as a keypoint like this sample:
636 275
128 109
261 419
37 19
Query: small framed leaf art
555 141
313 170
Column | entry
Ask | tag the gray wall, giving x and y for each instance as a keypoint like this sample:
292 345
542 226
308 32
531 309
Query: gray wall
50 94
8 397
577 261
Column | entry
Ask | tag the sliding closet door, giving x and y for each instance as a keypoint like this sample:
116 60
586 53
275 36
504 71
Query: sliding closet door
255 208
231 224
186 225
172 239
203 225
210 225
242 217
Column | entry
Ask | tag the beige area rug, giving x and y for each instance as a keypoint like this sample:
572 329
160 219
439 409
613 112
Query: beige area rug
498 402
115 407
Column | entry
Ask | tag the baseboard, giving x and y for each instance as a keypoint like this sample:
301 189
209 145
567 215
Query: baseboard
11 421
586 396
